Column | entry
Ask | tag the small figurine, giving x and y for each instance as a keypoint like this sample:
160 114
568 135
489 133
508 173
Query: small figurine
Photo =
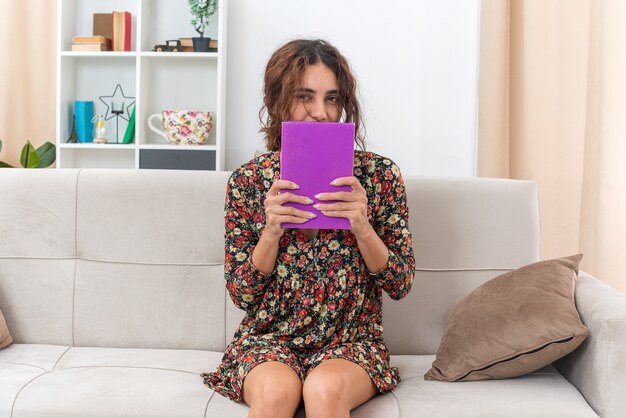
73 135
172 45
100 131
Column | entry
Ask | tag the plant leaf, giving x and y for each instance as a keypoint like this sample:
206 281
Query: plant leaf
47 155
5 165
29 158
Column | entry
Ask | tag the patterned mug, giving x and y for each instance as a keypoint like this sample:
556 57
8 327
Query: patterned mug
183 126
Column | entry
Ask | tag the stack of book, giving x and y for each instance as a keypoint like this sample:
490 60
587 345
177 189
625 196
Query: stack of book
116 27
187 44
91 43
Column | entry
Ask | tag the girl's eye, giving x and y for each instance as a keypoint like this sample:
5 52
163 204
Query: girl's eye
303 97
333 99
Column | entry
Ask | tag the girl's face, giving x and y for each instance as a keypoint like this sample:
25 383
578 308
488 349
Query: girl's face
317 100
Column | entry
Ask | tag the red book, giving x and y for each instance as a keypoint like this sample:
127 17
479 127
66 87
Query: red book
312 155
121 31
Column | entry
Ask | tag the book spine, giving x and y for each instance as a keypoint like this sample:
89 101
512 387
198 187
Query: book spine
129 135
115 37
122 22
127 30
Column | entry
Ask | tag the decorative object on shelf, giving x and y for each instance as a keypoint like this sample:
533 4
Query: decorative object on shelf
129 135
32 157
103 25
183 126
213 45
91 43
201 10
121 31
73 135
168 47
83 110
117 108
187 44
117 104
99 136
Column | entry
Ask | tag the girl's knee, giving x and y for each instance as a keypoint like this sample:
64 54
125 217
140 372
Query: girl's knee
272 388
327 388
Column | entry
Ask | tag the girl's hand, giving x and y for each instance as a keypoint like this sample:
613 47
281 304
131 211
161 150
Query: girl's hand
351 205
276 213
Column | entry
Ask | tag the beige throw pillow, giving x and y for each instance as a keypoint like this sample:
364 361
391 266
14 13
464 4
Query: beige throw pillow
5 337
513 324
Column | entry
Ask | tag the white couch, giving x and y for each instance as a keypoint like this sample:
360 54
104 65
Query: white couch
111 282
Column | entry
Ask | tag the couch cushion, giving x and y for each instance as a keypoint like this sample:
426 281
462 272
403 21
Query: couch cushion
149 306
414 324
512 325
13 377
113 392
36 296
465 222
544 393
151 216
150 259
40 356
37 250
41 204
94 381
190 361
462 236
19 365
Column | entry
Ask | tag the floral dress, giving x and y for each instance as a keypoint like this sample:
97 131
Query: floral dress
320 302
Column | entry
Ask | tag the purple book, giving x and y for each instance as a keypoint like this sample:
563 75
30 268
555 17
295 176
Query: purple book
312 155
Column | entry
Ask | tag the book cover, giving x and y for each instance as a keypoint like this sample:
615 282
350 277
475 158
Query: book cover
102 25
186 42
84 117
84 47
129 135
121 31
312 155
91 40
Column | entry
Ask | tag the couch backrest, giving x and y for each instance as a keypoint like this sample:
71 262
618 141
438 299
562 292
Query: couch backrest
119 258
134 258
466 230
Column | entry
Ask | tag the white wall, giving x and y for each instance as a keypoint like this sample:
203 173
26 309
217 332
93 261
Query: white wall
416 62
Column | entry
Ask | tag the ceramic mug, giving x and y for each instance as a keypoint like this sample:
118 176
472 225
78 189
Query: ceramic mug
183 126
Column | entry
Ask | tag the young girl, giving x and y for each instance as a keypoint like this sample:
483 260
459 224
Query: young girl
312 330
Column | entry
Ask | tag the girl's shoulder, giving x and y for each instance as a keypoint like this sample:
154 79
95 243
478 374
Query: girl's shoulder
265 162
369 163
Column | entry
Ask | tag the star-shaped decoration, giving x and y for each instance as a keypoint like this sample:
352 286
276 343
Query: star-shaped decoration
118 96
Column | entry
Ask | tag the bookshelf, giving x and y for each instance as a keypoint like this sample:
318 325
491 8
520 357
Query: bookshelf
158 81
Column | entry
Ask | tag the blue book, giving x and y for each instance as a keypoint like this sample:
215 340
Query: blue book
84 120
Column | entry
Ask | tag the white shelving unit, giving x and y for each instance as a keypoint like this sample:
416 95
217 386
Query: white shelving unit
158 81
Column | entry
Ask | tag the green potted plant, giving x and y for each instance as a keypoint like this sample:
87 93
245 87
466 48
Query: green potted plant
201 11
32 157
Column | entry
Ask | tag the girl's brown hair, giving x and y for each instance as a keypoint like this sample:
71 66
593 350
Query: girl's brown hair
283 76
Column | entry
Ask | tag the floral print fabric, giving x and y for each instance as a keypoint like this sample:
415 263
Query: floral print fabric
320 302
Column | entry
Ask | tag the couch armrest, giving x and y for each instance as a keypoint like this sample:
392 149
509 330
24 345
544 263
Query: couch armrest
598 367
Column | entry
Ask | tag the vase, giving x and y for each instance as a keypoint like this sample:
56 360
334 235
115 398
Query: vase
201 44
